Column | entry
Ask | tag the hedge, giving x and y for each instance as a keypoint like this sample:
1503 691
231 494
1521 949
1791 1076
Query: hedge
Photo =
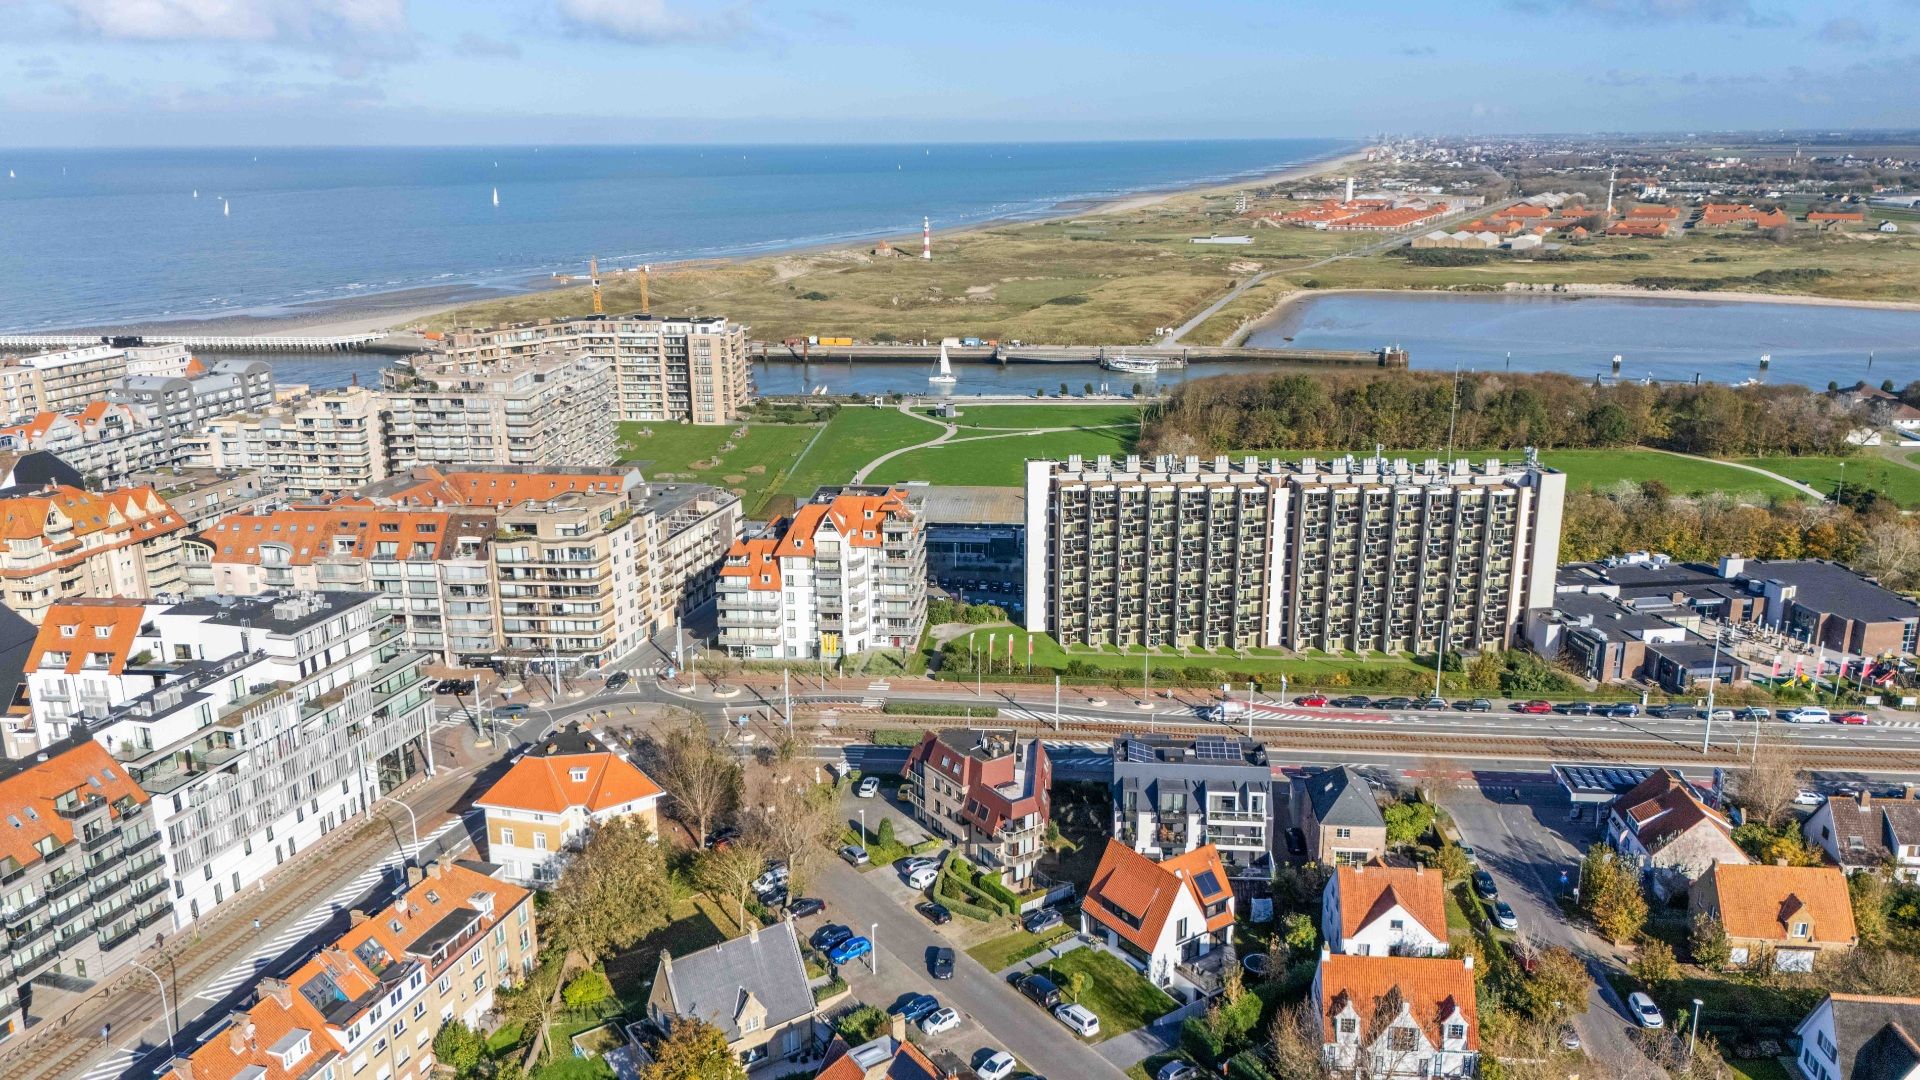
931 708
1198 1040
992 886
1246 1065
895 737
829 989
956 903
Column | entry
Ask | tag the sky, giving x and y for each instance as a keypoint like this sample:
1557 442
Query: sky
351 72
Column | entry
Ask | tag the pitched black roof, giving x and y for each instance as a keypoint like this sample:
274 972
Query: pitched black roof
1343 797
1876 1036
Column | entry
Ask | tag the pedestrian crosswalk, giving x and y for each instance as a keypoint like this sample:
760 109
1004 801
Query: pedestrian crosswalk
264 957
110 1066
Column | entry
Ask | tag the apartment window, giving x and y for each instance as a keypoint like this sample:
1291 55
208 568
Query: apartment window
419 1009
539 841
1348 1025
1396 924
443 986
579 776
749 1023
506 837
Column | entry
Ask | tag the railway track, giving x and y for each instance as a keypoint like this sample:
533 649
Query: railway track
1383 739
131 1002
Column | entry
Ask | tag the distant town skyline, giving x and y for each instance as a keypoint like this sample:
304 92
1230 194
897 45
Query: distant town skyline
326 72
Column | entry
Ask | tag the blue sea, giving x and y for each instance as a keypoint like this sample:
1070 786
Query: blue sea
95 238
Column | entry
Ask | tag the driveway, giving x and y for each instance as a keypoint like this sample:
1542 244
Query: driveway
1525 846
995 1014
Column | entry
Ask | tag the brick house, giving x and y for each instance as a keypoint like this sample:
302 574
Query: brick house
1670 833
1797 911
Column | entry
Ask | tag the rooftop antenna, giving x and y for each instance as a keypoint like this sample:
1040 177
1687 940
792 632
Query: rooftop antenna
593 275
926 239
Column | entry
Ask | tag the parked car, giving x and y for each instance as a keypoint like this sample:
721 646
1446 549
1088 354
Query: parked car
849 950
1753 712
942 965
1808 798
1079 1019
1668 712
1576 708
1296 843
1040 990
1044 919
1484 885
1504 917
1311 701
1806 714
1719 716
454 686
1352 701
617 680
1473 857
916 862
855 855
1478 704
719 841
806 906
1393 703
869 787
830 935
1177 1069
1570 1039
915 1007
1622 710
774 877
1431 704
922 876
1644 1011
939 1021
996 1066
937 914
1534 708
1850 717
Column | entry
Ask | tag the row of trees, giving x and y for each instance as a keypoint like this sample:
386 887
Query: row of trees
1412 409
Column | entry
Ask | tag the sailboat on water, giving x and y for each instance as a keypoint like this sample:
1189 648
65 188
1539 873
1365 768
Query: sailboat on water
496 196
943 375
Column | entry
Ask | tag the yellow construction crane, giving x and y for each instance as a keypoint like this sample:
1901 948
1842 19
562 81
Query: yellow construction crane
593 274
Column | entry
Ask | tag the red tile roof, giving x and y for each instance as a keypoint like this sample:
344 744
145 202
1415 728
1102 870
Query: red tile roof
310 533
1366 893
1765 901
81 628
1146 890
1433 988
245 1041
546 784
857 519
29 798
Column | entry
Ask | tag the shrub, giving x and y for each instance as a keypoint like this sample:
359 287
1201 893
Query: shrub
459 1047
588 989
896 737
931 708
1300 934
1445 257
1655 965
1199 1041
994 887
1246 1065
1707 941
813 295
860 1025
884 834
1072 300
828 989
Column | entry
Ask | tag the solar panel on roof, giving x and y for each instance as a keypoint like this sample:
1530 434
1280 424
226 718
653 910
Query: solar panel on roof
1138 751
1212 748
1208 883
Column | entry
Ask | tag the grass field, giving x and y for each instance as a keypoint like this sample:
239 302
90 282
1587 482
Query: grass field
1890 478
998 954
1302 670
1045 416
1121 997
998 461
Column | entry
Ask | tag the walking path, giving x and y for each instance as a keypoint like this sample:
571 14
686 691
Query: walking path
950 430
947 431
1790 482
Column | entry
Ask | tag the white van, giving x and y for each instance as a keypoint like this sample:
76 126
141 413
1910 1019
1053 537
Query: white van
1079 1018
1806 714
922 876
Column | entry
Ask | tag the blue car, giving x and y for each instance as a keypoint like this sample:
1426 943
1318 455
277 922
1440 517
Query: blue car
915 1007
849 950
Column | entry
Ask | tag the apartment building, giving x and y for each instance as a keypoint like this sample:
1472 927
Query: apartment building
202 496
67 379
574 587
105 442
62 542
311 446
429 567
694 526
369 1004
694 369
845 574
545 806
987 792
183 402
257 724
81 874
1172 795
1361 554
545 409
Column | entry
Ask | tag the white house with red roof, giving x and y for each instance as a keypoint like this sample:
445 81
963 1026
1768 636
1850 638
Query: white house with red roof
845 574
1384 911
550 799
1168 916
1670 833
1387 1016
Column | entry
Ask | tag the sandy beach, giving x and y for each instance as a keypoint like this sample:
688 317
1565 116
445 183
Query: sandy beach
410 307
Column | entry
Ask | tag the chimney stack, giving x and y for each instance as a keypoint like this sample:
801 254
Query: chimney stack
356 917
414 875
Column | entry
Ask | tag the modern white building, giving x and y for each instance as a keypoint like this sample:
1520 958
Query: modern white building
256 724
846 574
1173 919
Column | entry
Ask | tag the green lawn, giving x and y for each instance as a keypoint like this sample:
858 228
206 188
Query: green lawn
856 435
878 853
999 462
750 469
1890 478
1302 671
1121 997
998 954
1044 416
1759 1069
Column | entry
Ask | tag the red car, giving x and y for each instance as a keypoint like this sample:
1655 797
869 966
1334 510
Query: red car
1535 707
1850 718
1313 701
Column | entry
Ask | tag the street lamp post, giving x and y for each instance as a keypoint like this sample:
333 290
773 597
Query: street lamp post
863 826
1694 1031
165 1012
873 948
1713 681
413 822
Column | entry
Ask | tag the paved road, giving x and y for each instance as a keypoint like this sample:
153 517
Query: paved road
1526 846
996 1015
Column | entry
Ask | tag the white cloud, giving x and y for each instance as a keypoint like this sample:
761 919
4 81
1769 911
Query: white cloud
651 21
305 21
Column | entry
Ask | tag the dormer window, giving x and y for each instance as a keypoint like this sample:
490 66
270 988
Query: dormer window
578 776
1347 1026
103 632
1799 929
1456 1032
69 631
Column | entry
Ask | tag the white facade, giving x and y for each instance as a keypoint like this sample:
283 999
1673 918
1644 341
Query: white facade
1392 932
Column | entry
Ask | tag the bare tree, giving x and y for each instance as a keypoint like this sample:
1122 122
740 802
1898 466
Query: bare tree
1891 553
1776 775
697 773
1297 1037
795 821
728 874
612 893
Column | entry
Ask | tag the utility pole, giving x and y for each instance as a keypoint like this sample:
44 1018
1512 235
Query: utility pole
1713 680
786 688
1056 703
